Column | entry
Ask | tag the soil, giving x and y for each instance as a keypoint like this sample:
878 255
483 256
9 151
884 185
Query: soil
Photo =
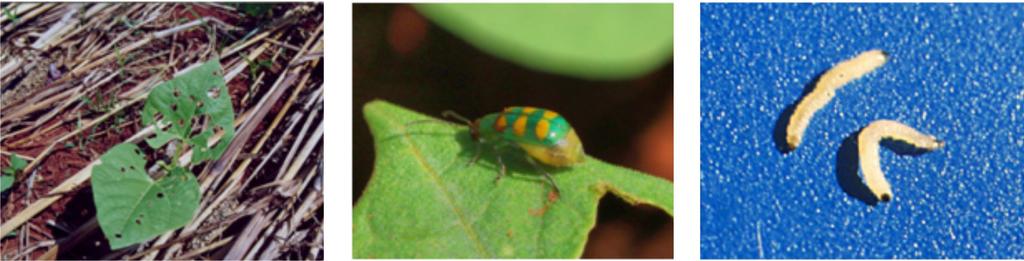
62 163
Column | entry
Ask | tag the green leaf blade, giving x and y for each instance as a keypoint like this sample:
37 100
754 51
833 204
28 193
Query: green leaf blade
199 92
423 201
6 181
17 163
130 206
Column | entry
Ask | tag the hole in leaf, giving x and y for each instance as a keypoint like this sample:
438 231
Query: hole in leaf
181 121
159 195
117 235
131 167
177 92
174 107
138 221
122 169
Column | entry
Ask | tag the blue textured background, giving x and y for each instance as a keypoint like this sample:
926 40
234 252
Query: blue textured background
956 72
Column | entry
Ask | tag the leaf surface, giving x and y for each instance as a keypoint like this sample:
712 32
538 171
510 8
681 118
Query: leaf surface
130 206
592 41
6 181
425 201
17 164
199 92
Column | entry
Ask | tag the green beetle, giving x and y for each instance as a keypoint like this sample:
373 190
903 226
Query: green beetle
543 134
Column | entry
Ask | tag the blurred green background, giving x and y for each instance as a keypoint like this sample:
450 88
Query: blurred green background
606 68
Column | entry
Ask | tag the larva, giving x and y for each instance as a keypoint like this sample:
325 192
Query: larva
867 149
825 89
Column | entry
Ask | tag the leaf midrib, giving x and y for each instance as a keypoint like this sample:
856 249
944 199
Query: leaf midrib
449 202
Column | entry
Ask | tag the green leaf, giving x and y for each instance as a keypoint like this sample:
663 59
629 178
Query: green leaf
130 206
592 41
256 9
425 201
177 103
17 163
11 16
6 181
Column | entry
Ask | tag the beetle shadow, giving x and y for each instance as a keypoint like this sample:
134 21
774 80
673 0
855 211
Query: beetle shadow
513 157
779 132
848 163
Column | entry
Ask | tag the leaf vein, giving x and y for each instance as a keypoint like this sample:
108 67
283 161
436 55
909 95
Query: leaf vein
449 202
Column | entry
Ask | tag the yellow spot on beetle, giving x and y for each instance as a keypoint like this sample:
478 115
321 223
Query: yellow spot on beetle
543 126
520 126
550 115
501 123
528 110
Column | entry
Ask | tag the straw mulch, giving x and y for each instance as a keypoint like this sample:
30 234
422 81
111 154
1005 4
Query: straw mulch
74 79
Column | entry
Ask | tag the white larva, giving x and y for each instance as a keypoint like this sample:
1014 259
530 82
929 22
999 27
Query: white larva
825 89
867 149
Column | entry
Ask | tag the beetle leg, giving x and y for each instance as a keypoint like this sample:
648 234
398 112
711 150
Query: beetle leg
476 156
546 175
501 172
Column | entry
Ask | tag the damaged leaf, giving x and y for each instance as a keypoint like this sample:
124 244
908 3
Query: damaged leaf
130 206
425 201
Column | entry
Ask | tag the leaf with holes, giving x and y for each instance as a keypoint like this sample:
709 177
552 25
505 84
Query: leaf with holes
424 201
130 206
178 102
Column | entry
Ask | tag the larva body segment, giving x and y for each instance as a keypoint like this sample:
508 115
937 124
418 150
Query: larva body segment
825 89
867 149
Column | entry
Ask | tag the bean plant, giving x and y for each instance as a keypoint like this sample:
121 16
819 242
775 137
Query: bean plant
133 206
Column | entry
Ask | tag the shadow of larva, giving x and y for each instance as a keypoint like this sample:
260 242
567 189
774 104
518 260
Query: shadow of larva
868 142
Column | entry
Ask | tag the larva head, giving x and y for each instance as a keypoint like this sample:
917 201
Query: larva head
792 140
882 190
937 143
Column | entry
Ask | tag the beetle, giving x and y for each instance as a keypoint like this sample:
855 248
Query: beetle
544 135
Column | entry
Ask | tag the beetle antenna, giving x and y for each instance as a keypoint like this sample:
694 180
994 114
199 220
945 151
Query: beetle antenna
445 114
452 114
